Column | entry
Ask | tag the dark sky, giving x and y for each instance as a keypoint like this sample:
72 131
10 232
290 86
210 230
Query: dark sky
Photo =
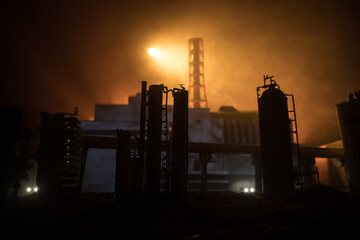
62 54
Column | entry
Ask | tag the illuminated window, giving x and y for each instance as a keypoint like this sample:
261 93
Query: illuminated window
202 104
191 104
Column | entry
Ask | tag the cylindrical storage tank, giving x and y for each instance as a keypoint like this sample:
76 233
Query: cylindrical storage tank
180 143
276 143
154 138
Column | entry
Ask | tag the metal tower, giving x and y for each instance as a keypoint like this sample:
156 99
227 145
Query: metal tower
197 95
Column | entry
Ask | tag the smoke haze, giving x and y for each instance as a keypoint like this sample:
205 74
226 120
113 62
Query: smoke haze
59 55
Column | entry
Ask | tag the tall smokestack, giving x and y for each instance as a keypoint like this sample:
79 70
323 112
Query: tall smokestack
197 95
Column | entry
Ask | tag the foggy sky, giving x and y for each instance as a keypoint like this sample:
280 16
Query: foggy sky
59 55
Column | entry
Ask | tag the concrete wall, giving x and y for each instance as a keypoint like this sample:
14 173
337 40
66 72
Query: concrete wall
99 175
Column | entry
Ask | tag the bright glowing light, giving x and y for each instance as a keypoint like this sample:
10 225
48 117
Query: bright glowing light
171 61
246 190
252 190
35 189
155 53
28 189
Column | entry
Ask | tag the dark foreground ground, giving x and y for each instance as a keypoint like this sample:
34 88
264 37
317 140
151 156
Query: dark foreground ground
318 213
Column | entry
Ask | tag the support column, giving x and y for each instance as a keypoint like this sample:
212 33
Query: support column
180 144
307 165
122 174
142 164
204 159
256 159
154 139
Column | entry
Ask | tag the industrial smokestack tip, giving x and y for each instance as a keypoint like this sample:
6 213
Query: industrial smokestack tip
196 39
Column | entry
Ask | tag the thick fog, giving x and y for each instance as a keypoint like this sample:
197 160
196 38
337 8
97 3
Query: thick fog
59 55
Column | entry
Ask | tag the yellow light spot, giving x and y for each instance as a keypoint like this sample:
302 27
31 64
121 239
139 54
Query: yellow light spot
155 53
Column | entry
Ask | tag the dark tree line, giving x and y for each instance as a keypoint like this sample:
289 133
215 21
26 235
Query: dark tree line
15 151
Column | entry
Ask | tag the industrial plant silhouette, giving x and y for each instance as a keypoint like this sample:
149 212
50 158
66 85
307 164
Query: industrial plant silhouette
181 171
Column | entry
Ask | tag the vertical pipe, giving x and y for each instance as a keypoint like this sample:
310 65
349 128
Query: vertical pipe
226 130
42 177
154 138
141 173
167 157
180 142
307 166
84 154
258 172
122 172
203 162
56 159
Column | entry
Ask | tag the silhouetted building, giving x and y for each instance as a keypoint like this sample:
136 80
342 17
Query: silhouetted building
333 171
60 165
349 121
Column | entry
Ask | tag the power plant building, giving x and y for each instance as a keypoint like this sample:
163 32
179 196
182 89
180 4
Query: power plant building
225 171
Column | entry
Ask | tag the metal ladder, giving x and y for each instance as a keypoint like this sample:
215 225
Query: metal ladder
298 181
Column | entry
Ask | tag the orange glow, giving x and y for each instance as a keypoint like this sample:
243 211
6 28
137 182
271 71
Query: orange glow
171 60
104 60
323 167
202 104
191 104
